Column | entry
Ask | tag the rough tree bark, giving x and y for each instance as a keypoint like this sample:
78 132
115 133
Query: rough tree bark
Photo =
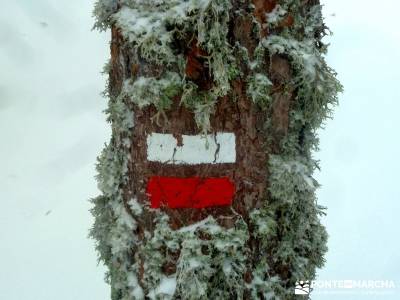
253 68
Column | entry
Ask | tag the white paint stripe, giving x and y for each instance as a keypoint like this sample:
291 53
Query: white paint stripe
196 149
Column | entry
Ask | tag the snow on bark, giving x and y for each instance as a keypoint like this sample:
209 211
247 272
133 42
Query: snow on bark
262 252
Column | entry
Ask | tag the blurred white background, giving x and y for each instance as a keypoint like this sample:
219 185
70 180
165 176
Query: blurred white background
52 128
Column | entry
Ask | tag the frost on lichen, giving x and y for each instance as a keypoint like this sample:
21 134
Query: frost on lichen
153 26
103 10
206 260
316 81
114 225
288 224
201 103
292 191
289 228
276 15
144 91
211 259
258 89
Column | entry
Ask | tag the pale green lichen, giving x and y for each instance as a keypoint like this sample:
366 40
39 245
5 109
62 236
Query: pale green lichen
207 268
289 227
103 11
276 16
286 227
114 225
144 91
202 103
151 27
212 28
291 216
258 89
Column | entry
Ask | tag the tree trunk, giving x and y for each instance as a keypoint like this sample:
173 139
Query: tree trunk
207 180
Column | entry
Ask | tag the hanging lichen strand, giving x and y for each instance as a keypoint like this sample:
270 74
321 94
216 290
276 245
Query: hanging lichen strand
263 255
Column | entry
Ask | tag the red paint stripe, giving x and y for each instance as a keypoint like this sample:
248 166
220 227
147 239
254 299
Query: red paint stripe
193 192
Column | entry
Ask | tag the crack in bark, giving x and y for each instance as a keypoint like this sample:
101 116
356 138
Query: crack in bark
180 145
217 150
173 156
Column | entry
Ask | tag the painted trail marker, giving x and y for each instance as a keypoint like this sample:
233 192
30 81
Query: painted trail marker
191 192
195 149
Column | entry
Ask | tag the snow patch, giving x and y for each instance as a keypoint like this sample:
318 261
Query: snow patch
135 207
137 291
276 15
193 227
166 287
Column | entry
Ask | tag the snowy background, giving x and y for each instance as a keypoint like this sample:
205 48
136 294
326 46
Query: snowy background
52 128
